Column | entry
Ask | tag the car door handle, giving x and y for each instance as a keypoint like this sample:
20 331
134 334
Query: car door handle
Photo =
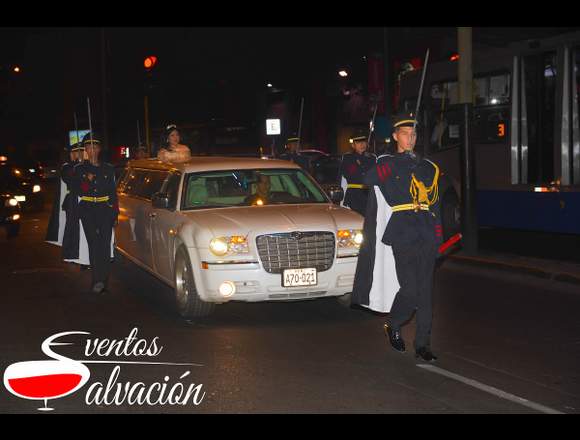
153 215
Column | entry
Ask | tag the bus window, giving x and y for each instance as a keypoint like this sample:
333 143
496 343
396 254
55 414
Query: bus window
491 95
492 90
499 89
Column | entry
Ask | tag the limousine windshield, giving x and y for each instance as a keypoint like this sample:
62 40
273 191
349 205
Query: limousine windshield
250 188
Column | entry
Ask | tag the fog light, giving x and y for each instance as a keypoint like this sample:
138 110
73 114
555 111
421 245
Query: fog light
15 217
36 188
227 289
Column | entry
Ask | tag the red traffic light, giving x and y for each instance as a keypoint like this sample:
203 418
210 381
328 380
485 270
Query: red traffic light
150 62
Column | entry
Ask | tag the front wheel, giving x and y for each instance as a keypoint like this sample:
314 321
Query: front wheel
187 301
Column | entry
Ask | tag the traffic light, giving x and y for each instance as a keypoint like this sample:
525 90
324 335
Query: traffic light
150 62
151 73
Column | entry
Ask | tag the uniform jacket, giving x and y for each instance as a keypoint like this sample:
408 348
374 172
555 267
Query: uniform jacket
393 175
96 181
353 170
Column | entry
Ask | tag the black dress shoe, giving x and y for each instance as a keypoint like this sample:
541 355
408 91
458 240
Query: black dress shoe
395 338
425 354
99 287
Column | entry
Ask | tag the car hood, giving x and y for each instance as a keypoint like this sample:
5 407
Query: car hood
257 220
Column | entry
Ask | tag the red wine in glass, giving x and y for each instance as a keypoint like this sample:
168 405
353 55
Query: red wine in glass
44 380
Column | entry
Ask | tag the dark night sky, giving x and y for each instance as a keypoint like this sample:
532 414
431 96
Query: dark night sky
200 71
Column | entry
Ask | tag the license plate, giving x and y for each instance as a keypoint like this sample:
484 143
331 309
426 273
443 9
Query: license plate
299 277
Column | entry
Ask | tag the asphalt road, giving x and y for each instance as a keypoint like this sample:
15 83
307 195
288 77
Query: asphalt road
507 344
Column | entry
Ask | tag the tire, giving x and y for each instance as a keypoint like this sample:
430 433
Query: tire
13 230
344 300
187 302
450 214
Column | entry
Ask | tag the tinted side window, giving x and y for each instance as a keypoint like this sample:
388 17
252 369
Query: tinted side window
152 182
133 182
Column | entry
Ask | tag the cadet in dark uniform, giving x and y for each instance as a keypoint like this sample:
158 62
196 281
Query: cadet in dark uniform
293 155
410 201
94 182
64 226
352 172
71 238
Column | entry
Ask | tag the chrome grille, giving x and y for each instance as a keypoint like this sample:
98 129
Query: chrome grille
296 250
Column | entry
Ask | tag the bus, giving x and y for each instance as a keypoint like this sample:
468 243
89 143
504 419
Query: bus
525 133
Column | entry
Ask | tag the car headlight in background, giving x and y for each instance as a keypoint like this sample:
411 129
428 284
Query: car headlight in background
349 238
11 202
17 172
36 188
32 170
20 198
232 245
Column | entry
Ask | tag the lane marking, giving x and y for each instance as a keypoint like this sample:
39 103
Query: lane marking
497 370
37 270
491 390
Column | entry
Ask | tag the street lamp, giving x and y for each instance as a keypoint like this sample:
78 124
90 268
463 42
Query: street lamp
269 85
343 73
16 69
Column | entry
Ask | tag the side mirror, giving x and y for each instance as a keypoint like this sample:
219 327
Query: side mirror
160 200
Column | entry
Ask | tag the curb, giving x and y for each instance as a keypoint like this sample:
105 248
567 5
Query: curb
564 277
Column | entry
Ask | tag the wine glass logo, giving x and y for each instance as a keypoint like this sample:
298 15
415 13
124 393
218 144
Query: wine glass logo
48 379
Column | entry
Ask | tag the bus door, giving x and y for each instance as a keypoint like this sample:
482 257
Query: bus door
544 146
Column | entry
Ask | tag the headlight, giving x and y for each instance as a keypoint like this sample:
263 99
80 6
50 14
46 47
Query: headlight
219 246
232 245
11 202
349 238
36 188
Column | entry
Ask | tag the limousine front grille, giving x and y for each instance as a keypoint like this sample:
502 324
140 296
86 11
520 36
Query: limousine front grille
296 250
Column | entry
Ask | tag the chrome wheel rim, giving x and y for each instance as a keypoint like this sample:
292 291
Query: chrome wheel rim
182 285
